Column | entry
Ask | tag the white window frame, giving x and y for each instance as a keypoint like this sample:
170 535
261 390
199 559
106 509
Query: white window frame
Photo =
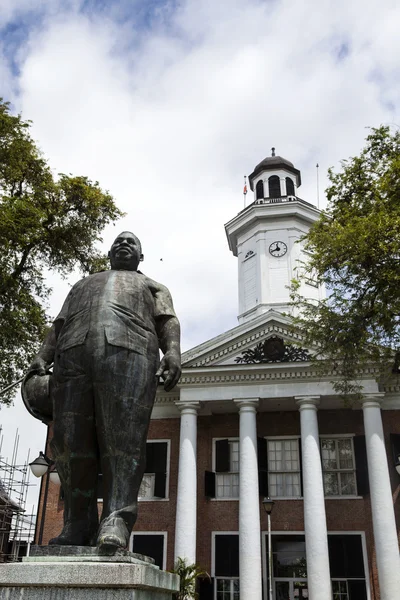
264 554
275 438
213 536
165 546
343 581
214 460
155 499
354 470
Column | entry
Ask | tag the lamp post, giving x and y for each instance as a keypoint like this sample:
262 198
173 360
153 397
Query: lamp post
41 466
268 505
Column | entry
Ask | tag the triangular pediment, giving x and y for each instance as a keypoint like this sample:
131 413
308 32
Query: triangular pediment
266 339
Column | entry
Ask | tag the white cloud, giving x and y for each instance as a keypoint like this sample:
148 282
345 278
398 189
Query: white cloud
170 118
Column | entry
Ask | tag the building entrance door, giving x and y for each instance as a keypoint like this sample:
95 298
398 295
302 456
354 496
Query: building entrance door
291 589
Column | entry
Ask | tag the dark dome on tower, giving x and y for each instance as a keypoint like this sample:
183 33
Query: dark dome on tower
273 163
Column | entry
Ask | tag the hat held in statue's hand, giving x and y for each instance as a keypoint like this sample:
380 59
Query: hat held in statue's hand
35 391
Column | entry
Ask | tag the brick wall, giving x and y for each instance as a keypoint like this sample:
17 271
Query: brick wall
213 515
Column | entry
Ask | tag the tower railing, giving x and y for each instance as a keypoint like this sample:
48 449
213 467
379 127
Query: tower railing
276 200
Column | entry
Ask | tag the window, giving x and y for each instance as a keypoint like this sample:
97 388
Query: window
226 566
260 190
346 563
154 482
274 185
289 186
146 489
284 468
227 468
227 589
338 466
150 544
339 590
155 479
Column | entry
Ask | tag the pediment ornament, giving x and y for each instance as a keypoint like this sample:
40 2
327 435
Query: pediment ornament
273 350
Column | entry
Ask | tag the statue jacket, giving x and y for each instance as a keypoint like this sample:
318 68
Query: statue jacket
117 307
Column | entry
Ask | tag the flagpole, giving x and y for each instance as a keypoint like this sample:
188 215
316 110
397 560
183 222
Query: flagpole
244 191
317 185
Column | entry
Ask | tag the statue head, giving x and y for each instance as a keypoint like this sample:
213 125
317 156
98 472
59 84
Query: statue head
125 252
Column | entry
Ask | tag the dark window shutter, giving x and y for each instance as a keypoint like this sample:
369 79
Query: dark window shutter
160 485
206 589
354 558
149 458
227 555
357 590
346 556
150 545
159 459
274 184
262 466
289 186
337 565
260 190
222 456
301 467
209 484
360 454
395 444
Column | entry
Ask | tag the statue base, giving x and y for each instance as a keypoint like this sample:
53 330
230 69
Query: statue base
81 573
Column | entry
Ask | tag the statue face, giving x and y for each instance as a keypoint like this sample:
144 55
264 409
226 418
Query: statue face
126 252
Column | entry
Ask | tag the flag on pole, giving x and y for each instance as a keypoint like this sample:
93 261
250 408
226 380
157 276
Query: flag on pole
245 186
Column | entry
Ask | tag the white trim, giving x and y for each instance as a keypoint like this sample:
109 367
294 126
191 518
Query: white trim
166 499
264 536
165 545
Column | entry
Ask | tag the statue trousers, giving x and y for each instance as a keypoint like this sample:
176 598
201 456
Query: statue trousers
102 401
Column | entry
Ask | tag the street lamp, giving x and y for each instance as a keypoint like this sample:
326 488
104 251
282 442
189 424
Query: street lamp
39 467
268 505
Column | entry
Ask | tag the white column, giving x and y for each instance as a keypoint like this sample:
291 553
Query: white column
186 502
249 504
385 534
318 575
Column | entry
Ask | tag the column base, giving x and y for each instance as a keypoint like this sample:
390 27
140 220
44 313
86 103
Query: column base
85 575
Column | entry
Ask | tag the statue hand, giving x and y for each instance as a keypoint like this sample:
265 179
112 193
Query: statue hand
170 369
39 365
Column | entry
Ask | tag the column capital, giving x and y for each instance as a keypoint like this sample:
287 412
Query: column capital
372 400
307 402
247 404
188 408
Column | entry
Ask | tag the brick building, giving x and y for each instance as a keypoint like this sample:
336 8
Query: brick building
252 418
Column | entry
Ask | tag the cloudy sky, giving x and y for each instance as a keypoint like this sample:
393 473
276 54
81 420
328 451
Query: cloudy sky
169 103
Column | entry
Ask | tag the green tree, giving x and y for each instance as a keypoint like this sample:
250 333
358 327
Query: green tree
46 224
188 574
355 250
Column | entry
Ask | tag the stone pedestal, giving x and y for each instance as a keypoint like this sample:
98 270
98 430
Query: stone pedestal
71 573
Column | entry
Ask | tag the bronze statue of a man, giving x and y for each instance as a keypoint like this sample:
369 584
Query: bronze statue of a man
105 348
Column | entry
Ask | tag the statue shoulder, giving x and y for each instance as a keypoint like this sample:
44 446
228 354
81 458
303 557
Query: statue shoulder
155 287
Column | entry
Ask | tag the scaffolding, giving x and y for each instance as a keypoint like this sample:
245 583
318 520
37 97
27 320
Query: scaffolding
17 528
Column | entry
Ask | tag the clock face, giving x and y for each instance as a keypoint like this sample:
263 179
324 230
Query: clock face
278 249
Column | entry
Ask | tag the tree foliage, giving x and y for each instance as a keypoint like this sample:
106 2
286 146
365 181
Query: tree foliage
46 224
188 574
355 250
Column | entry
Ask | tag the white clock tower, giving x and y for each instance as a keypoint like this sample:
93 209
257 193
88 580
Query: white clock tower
265 238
